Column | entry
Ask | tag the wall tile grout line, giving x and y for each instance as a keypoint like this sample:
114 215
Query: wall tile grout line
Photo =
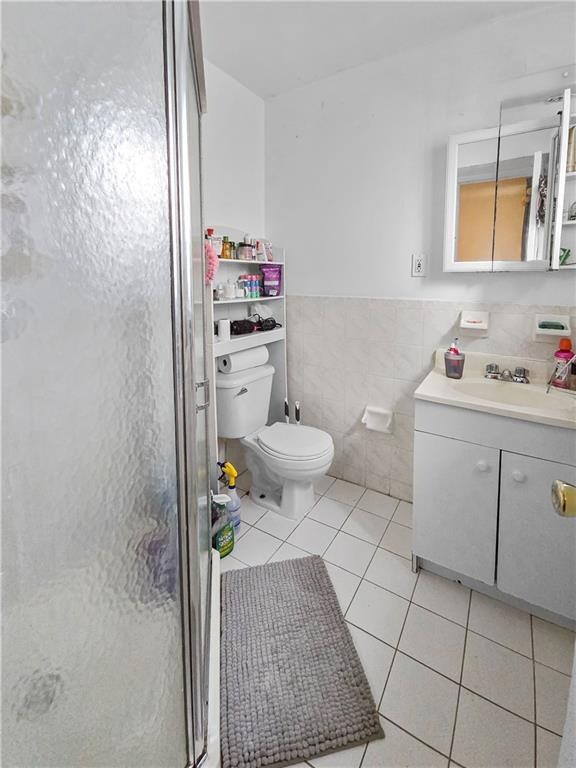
461 678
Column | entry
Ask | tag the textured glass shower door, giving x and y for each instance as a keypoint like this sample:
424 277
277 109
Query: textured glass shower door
102 569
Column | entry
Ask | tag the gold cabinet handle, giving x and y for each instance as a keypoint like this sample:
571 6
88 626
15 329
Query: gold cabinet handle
564 498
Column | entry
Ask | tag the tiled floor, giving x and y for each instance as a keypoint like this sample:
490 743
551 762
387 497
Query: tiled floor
460 679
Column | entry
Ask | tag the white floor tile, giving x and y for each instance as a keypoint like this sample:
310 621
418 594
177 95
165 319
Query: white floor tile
400 750
378 612
442 596
501 622
244 528
312 536
255 547
487 736
229 563
403 514
250 512
551 698
434 641
421 701
347 493
350 553
365 526
345 584
345 758
398 539
276 525
392 572
547 749
499 674
321 484
288 552
330 512
379 504
553 645
376 658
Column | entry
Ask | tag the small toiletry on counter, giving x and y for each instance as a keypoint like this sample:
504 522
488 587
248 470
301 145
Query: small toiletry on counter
562 371
454 361
222 527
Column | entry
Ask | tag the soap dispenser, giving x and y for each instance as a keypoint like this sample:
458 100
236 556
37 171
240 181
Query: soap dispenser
454 361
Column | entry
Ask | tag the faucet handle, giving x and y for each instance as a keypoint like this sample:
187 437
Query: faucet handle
492 371
521 375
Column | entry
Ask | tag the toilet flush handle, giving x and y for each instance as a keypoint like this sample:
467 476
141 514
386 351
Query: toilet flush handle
241 392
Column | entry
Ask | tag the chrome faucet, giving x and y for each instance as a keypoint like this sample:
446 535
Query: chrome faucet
520 375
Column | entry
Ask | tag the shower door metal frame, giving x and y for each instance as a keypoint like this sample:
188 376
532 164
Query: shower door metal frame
182 23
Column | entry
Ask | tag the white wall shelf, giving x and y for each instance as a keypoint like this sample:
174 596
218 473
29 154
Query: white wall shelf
240 309
249 261
254 300
248 341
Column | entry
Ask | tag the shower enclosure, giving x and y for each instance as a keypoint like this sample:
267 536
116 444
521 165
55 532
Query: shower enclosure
105 519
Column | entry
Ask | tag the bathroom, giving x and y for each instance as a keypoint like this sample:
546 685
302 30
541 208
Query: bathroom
428 523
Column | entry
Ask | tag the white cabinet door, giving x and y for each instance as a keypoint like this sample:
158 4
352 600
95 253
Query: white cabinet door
456 505
536 547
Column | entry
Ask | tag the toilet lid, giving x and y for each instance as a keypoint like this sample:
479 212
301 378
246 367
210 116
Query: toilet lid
295 442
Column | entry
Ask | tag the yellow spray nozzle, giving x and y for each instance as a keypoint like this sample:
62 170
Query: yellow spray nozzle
230 471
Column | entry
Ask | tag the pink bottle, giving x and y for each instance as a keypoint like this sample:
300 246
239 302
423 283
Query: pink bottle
562 355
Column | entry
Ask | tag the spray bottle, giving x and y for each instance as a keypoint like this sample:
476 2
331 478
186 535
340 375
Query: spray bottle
222 528
229 475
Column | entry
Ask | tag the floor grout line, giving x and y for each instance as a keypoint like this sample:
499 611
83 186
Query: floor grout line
398 643
461 677
534 691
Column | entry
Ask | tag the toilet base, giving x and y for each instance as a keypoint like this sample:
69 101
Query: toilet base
294 500
290 498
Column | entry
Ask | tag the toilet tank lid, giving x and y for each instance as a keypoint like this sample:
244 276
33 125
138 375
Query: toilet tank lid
240 378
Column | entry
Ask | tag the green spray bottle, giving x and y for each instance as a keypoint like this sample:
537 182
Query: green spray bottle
222 528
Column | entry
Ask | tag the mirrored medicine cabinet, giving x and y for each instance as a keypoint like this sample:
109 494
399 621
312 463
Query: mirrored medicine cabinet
511 190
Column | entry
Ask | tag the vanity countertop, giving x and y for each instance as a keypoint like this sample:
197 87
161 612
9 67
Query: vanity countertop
528 402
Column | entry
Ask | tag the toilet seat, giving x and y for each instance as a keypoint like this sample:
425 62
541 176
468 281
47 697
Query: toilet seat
294 443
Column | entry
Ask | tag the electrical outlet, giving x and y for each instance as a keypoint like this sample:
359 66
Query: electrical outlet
418 265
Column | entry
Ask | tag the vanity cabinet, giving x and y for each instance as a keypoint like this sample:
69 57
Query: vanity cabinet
483 507
456 494
536 547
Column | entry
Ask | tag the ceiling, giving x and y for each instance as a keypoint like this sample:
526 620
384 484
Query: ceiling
274 46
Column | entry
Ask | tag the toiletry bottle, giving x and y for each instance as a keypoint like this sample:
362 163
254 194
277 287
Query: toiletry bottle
561 377
454 361
225 248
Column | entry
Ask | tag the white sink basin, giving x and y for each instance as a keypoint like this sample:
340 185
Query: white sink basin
506 398
519 395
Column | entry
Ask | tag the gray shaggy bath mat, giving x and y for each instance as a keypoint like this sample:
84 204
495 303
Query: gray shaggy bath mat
292 685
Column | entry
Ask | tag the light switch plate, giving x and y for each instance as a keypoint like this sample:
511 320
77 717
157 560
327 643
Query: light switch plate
418 265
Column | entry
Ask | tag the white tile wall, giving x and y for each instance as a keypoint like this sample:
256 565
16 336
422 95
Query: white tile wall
344 353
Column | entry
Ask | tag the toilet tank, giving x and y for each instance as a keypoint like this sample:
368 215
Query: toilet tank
243 400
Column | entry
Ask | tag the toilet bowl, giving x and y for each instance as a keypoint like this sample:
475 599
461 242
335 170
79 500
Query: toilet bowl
283 459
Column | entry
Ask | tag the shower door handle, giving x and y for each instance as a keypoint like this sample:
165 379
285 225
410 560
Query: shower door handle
203 385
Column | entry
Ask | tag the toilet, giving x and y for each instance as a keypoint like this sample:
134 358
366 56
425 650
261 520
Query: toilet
283 459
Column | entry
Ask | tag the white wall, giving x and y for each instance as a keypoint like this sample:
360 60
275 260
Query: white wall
233 154
355 163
